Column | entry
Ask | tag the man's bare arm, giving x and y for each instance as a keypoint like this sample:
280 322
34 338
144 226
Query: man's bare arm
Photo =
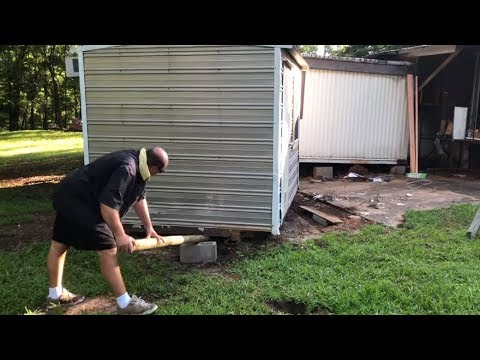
141 208
111 216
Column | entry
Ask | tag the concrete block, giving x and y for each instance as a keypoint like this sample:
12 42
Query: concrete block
397 170
198 253
322 172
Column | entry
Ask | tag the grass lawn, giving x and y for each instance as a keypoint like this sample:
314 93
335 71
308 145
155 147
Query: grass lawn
27 153
33 153
426 267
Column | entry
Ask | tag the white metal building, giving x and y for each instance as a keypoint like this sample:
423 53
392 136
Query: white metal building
226 115
355 111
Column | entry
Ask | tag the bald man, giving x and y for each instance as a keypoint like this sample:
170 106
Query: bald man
89 205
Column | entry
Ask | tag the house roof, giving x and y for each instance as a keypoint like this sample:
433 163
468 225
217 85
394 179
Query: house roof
420 50
356 60
372 66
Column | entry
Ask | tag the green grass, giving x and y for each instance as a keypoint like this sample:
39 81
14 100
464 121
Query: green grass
426 267
39 152
34 153
17 205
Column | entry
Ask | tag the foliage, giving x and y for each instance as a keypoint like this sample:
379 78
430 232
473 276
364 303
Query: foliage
363 50
307 49
34 90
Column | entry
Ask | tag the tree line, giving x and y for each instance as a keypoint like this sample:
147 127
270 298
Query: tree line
35 92
350 50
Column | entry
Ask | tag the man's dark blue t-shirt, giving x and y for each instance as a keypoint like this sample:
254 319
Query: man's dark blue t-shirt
113 179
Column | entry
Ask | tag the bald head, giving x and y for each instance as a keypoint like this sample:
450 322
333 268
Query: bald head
157 160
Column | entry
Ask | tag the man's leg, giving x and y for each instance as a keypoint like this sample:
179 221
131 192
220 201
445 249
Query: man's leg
111 272
55 265
56 262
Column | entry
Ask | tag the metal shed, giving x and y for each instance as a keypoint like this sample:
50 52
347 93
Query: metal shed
225 114
355 111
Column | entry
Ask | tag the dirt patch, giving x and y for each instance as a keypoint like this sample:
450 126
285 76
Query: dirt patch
386 202
349 225
227 253
298 224
296 308
295 227
32 180
99 305
15 237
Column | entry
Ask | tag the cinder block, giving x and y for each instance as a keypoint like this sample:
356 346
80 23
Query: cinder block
397 170
322 172
198 253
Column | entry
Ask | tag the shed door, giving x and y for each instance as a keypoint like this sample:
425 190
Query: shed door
286 133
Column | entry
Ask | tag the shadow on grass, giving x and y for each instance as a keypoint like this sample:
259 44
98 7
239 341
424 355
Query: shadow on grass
48 166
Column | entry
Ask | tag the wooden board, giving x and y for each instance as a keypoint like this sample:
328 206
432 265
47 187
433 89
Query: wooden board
330 218
449 129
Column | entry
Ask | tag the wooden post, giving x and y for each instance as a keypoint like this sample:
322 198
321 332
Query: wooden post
411 122
417 129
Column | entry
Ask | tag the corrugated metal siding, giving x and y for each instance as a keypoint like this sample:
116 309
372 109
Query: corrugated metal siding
353 117
210 108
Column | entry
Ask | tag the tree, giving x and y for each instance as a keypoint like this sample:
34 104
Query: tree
12 76
34 87
363 50
328 49
307 49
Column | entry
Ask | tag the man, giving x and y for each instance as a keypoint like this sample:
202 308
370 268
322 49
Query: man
89 204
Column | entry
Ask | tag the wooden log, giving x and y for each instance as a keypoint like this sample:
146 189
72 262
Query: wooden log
151 243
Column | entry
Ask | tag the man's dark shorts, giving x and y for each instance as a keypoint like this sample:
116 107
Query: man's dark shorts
97 237
78 222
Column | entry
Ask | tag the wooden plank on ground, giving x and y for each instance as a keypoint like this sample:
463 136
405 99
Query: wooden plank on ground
472 230
330 218
320 220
